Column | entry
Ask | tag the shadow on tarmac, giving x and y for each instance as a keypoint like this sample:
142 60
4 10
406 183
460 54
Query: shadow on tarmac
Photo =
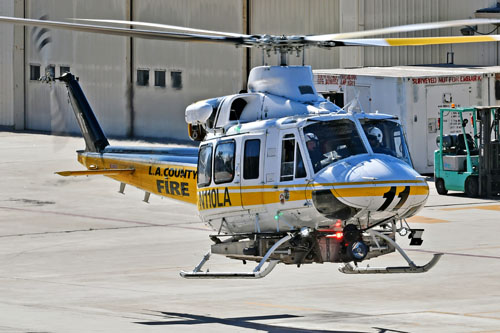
174 318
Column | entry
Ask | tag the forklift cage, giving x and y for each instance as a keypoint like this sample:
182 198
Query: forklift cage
481 175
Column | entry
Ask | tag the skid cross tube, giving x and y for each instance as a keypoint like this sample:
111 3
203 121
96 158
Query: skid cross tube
411 268
257 273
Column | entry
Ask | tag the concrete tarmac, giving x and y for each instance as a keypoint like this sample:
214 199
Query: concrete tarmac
76 256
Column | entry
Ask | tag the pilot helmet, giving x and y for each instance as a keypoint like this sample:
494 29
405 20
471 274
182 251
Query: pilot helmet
311 137
375 132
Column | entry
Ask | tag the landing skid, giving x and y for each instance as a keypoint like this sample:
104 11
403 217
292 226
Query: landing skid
411 268
257 273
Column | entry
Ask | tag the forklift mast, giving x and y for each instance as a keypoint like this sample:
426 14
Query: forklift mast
489 145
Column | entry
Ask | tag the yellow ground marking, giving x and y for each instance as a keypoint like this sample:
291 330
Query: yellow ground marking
477 248
424 219
484 315
473 314
488 207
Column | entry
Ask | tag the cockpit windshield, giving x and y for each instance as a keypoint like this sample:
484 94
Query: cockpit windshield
386 137
331 141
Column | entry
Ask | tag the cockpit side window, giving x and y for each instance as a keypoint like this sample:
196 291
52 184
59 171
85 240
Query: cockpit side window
331 141
300 169
287 157
292 163
205 165
224 162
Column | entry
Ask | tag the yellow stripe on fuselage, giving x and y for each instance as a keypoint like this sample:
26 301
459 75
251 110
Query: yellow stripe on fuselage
233 196
377 191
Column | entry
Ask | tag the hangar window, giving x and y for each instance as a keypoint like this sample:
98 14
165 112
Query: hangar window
224 162
176 78
160 79
63 69
143 77
205 165
34 72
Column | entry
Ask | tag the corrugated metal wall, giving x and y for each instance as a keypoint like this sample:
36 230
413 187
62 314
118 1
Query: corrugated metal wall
99 61
296 17
373 14
107 66
206 70
6 63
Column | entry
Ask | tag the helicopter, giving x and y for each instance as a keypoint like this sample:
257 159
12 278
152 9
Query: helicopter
281 174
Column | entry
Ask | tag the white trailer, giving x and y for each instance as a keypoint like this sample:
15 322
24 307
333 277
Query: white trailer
414 94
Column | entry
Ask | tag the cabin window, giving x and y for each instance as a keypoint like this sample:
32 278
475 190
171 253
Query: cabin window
63 69
251 159
143 77
34 72
224 162
205 165
176 78
287 157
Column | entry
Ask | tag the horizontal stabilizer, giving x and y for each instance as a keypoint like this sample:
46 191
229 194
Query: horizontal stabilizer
105 172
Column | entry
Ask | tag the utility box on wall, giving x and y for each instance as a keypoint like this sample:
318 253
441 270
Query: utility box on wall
414 94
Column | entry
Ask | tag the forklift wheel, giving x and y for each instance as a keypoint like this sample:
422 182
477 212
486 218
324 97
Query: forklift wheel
471 187
440 188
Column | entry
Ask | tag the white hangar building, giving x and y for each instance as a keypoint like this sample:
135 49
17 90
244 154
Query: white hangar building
140 88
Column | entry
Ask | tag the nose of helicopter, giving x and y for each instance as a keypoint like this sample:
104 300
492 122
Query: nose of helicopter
381 185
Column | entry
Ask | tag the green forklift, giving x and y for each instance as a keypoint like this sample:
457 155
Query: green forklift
468 159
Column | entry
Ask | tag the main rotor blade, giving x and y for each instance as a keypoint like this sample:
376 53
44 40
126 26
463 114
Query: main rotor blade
127 32
399 29
166 26
416 41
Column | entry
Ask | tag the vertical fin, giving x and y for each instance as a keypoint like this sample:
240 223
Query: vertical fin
95 140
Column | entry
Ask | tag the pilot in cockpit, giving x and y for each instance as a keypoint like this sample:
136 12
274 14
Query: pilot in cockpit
314 150
375 138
